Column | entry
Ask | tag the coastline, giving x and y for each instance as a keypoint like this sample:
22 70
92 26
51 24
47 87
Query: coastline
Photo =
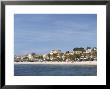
60 63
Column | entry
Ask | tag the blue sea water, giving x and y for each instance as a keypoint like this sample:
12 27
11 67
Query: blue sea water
54 70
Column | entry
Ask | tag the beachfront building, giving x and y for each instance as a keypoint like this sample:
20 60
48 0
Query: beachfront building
78 50
94 53
94 48
88 50
78 54
68 56
55 55
17 58
30 57
46 57
71 53
55 51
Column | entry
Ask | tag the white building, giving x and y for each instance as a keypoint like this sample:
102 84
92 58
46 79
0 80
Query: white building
30 56
88 50
95 49
45 56
55 51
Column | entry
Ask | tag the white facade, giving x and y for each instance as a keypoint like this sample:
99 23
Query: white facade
30 56
88 50
55 51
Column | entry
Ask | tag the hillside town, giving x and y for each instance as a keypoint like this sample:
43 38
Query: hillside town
77 54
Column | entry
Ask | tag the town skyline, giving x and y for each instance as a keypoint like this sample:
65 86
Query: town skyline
41 33
72 50
77 54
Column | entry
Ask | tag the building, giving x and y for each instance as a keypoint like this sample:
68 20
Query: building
78 50
55 51
55 54
30 56
88 50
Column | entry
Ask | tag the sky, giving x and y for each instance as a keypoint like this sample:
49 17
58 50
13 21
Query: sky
41 33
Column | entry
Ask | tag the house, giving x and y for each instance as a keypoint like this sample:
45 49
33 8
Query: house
71 53
30 56
88 50
55 54
45 57
78 50
55 51
94 49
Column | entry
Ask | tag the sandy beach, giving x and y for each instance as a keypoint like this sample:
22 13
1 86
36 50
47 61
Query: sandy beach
70 63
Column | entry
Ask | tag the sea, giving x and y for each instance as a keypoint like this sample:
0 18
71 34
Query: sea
54 70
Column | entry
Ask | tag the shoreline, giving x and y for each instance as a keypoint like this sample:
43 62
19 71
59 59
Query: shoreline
60 63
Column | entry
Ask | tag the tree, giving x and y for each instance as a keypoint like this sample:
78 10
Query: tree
72 57
77 57
49 56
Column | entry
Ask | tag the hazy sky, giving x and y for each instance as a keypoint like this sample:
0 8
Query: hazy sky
41 33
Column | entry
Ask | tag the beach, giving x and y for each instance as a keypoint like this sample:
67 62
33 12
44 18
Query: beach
60 63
